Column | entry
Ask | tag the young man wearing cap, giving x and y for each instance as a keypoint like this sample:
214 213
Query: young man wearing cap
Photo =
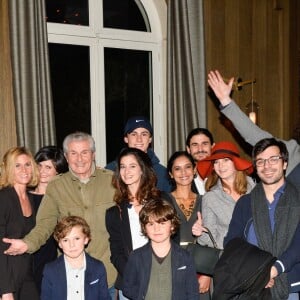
199 143
138 133
269 218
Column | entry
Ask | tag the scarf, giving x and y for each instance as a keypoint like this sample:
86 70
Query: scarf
286 222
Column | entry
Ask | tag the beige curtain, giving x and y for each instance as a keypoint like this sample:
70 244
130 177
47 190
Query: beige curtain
8 136
31 77
186 81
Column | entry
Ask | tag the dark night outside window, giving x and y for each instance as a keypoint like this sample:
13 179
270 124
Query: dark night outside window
70 80
124 14
127 92
128 73
68 11
118 14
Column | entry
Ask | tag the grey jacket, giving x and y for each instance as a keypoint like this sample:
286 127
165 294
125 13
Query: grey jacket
217 209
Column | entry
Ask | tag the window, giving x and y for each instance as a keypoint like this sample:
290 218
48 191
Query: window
107 64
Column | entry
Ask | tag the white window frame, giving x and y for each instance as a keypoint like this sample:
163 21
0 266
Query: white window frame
97 38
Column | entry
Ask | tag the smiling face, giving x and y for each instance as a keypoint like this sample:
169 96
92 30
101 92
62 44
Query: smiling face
46 170
80 158
139 138
271 174
225 169
182 171
130 170
73 243
23 170
200 147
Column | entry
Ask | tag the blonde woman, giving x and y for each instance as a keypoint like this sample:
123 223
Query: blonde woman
17 218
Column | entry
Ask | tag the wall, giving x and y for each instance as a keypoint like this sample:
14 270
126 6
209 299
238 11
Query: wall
8 136
255 39
249 38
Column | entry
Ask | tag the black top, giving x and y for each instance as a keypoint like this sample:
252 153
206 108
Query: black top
15 271
46 254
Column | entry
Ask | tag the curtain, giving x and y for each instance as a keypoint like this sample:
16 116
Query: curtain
31 77
186 75
7 111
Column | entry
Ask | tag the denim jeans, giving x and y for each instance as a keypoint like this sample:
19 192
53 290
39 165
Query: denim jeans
293 296
112 292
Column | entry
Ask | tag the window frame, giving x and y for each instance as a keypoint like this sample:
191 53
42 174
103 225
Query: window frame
98 38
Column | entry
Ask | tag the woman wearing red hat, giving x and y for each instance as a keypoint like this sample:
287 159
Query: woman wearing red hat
227 181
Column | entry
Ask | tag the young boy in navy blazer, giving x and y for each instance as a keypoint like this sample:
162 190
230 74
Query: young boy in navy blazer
161 269
75 274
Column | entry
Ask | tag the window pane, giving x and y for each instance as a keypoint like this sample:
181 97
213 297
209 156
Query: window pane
74 12
128 92
70 79
125 14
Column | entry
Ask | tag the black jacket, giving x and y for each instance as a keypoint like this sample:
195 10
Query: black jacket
242 272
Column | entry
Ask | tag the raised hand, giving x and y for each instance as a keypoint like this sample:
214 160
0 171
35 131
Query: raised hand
16 246
197 228
220 88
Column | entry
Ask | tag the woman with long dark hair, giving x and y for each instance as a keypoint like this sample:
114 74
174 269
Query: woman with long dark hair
135 184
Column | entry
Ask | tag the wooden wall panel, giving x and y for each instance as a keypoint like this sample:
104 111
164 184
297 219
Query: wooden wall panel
253 39
8 137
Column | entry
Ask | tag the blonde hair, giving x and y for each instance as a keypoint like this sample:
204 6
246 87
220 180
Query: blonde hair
240 183
8 166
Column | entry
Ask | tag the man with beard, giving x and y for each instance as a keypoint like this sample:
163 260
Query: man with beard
269 218
199 143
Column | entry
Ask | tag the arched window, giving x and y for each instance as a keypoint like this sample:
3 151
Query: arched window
107 61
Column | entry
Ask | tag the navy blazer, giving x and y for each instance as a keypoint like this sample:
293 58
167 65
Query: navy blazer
54 283
138 269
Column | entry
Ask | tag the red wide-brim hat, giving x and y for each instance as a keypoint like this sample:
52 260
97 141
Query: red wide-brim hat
223 150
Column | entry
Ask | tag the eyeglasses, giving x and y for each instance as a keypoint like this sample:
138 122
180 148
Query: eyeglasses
272 160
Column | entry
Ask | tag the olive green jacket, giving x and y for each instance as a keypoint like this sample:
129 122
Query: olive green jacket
65 196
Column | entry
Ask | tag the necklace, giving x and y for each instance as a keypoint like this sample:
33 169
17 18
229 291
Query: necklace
186 204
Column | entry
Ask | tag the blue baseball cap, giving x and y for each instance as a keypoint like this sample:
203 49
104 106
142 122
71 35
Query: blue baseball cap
137 122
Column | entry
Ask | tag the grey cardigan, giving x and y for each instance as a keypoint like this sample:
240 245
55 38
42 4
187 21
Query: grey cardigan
217 209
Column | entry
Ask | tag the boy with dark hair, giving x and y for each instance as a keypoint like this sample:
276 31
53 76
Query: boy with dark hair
161 269
75 274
